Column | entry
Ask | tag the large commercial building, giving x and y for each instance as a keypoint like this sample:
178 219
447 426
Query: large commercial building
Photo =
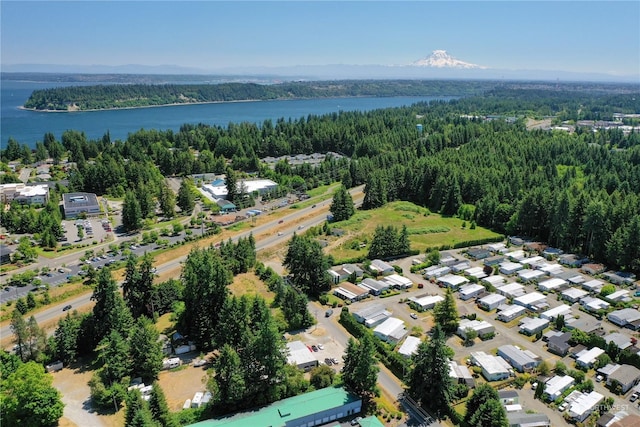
76 203
218 189
25 194
315 408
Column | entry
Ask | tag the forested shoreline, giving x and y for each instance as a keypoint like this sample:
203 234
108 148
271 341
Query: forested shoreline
120 96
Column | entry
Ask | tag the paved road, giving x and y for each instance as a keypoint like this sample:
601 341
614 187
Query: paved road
304 218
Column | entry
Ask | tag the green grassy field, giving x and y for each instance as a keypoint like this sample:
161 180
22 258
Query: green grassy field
426 229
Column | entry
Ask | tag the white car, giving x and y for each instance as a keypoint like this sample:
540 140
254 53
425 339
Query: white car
320 347
563 406
413 316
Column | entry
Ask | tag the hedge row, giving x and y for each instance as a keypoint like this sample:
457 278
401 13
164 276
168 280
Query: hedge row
389 358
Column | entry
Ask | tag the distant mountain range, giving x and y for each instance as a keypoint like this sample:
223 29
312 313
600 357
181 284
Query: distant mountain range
438 65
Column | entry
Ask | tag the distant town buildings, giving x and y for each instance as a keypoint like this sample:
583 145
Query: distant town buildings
24 194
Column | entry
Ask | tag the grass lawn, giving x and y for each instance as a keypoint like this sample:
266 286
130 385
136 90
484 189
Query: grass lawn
250 284
426 229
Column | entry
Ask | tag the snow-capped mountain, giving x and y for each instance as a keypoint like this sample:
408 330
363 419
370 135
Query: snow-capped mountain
441 59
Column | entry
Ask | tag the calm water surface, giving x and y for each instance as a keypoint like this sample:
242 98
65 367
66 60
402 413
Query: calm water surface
27 127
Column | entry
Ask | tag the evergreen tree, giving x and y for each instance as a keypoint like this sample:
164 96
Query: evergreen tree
138 286
375 193
113 352
146 350
167 201
231 183
185 197
206 281
445 313
110 311
360 371
307 265
227 384
131 212
342 207
159 408
490 414
66 338
429 381
19 329
482 394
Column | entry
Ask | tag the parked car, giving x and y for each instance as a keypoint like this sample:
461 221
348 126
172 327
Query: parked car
563 406
314 348
320 347
599 378
413 316
356 421
633 397
328 313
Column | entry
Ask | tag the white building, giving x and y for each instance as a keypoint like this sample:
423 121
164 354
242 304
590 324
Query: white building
376 287
481 327
426 302
533 325
582 407
469 291
588 357
516 255
391 330
494 281
218 189
521 360
298 354
532 261
574 294
508 268
410 346
398 282
372 315
436 271
511 290
477 272
551 269
594 304
555 386
529 275
461 374
621 295
511 313
625 317
461 266
494 368
594 285
551 284
25 194
534 301
491 301
452 281
561 310
381 267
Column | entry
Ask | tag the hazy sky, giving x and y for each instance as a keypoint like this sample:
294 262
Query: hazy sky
585 36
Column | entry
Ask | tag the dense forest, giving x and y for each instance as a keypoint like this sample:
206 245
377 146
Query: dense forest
142 95
578 191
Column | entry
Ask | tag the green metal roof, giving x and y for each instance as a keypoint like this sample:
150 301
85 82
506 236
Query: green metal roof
371 422
279 413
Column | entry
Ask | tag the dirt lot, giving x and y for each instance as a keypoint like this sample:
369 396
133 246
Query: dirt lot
181 385
73 384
